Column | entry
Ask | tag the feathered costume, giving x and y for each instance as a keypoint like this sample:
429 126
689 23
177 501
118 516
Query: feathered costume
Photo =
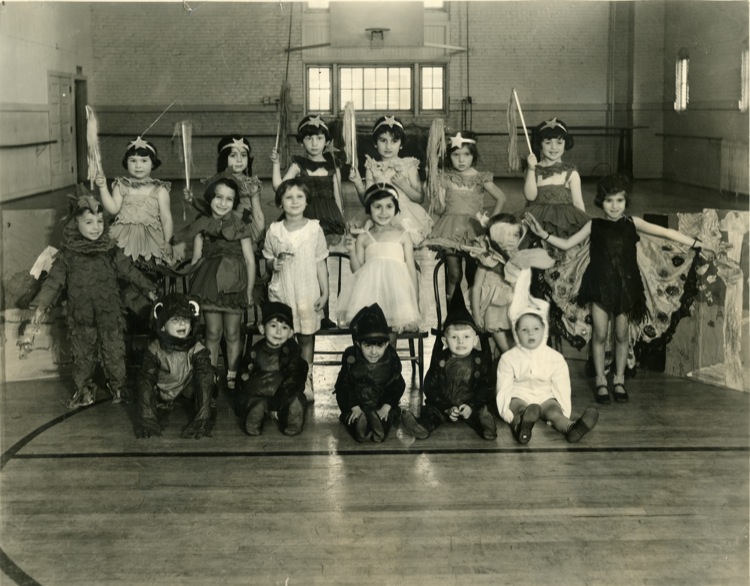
89 270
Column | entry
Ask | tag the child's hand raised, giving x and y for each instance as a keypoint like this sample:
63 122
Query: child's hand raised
187 193
275 156
101 181
350 243
354 175
532 161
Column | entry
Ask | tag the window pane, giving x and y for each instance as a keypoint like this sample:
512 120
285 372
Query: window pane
427 100
432 80
368 78
405 100
376 88
346 78
319 88
405 74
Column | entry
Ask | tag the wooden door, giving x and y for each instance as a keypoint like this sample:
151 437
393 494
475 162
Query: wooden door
62 130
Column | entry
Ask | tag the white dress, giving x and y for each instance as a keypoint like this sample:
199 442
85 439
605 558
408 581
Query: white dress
296 284
383 279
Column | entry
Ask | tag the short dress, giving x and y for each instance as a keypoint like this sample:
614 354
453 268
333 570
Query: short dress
383 279
220 277
296 284
553 206
412 218
137 228
464 200
612 279
319 176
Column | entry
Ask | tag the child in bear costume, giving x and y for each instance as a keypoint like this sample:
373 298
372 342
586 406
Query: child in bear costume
176 366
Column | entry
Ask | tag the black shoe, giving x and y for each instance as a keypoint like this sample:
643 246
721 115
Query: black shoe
412 426
621 395
376 425
254 419
602 398
487 421
529 417
584 424
295 418
328 324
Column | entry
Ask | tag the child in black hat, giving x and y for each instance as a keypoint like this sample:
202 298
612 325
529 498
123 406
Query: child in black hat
176 366
369 385
272 376
460 381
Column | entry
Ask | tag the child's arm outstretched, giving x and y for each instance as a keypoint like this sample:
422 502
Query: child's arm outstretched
645 227
556 241
249 255
112 202
530 189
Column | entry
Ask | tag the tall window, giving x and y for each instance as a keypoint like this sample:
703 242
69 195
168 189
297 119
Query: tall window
744 80
681 88
319 89
433 88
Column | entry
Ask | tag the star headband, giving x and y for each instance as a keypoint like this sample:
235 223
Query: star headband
552 124
316 121
457 141
237 143
389 121
139 143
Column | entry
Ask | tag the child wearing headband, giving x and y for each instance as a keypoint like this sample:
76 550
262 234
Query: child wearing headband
382 260
465 189
401 172
320 173
552 187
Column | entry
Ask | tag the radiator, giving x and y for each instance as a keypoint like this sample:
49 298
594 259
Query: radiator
734 167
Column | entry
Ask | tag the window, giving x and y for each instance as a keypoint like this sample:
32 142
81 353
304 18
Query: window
744 81
432 88
376 89
319 89
681 88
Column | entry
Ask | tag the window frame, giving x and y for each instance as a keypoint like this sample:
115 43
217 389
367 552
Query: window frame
416 72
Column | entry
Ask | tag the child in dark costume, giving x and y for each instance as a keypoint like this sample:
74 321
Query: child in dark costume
369 385
176 366
273 376
87 267
460 381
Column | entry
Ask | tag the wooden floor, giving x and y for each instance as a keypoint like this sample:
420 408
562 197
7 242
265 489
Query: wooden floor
656 494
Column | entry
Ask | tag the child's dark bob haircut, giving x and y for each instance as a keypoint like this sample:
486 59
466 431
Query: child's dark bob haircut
610 185
378 191
210 193
554 128
391 125
311 125
225 149
462 139
141 148
287 185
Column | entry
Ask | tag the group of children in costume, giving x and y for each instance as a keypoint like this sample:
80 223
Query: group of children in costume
273 379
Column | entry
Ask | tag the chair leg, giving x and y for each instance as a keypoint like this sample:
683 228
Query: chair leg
411 353
420 344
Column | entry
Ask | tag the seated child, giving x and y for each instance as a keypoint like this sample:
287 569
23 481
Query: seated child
532 378
272 376
369 385
176 366
460 380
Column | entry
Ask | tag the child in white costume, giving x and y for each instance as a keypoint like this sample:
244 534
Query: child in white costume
532 378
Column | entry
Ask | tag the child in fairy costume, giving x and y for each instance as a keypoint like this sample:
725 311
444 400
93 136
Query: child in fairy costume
553 188
401 172
321 175
464 188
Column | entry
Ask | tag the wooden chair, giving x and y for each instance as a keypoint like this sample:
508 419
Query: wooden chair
414 353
